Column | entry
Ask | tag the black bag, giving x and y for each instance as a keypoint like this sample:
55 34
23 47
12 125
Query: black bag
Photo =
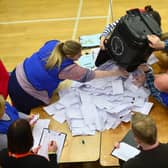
128 44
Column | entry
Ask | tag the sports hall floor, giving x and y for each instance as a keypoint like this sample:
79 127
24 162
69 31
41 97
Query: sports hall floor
25 25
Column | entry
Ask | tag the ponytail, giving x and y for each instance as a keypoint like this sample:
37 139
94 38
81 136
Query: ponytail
68 49
56 56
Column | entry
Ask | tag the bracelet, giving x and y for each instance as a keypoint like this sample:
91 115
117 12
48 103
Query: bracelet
51 153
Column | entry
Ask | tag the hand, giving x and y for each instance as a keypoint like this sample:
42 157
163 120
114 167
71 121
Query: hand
122 72
52 147
139 80
117 145
143 67
33 119
102 40
155 42
30 117
35 150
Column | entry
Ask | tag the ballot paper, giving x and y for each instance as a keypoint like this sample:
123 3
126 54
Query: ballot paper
99 104
88 41
38 129
86 61
125 151
46 137
127 147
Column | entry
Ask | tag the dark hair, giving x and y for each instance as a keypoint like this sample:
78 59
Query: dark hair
20 138
154 13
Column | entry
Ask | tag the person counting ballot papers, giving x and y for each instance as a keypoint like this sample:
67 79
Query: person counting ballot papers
150 152
33 81
125 42
20 154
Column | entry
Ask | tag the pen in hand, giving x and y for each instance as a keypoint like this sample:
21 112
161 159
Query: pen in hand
52 147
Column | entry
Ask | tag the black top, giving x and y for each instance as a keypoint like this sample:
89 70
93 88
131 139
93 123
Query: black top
155 158
30 161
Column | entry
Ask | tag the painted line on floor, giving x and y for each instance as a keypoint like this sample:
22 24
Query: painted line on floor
77 20
51 20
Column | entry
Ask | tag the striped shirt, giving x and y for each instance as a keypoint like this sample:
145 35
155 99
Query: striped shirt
109 28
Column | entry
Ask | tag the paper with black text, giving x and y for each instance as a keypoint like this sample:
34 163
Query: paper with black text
125 151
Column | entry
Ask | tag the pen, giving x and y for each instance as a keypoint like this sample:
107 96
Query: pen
51 143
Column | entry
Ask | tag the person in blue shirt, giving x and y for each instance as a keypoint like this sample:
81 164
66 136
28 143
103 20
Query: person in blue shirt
8 114
33 82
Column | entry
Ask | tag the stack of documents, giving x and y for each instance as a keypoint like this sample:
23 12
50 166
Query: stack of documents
99 104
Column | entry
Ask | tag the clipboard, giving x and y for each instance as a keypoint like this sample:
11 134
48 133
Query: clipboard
49 135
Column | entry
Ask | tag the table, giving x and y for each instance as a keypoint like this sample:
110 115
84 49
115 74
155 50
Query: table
78 148
110 137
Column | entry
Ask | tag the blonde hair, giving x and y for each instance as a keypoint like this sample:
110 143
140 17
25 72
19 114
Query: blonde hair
144 128
68 49
2 105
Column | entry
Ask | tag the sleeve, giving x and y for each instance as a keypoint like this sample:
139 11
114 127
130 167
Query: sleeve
53 160
109 28
77 73
3 156
4 78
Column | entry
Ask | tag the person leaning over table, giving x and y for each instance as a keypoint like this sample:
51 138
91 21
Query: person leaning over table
33 81
156 83
19 153
152 153
104 56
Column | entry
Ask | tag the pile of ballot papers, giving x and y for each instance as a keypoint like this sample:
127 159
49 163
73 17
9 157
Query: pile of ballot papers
100 104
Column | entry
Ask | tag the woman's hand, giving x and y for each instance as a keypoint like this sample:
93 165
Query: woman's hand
33 119
52 147
35 150
122 72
